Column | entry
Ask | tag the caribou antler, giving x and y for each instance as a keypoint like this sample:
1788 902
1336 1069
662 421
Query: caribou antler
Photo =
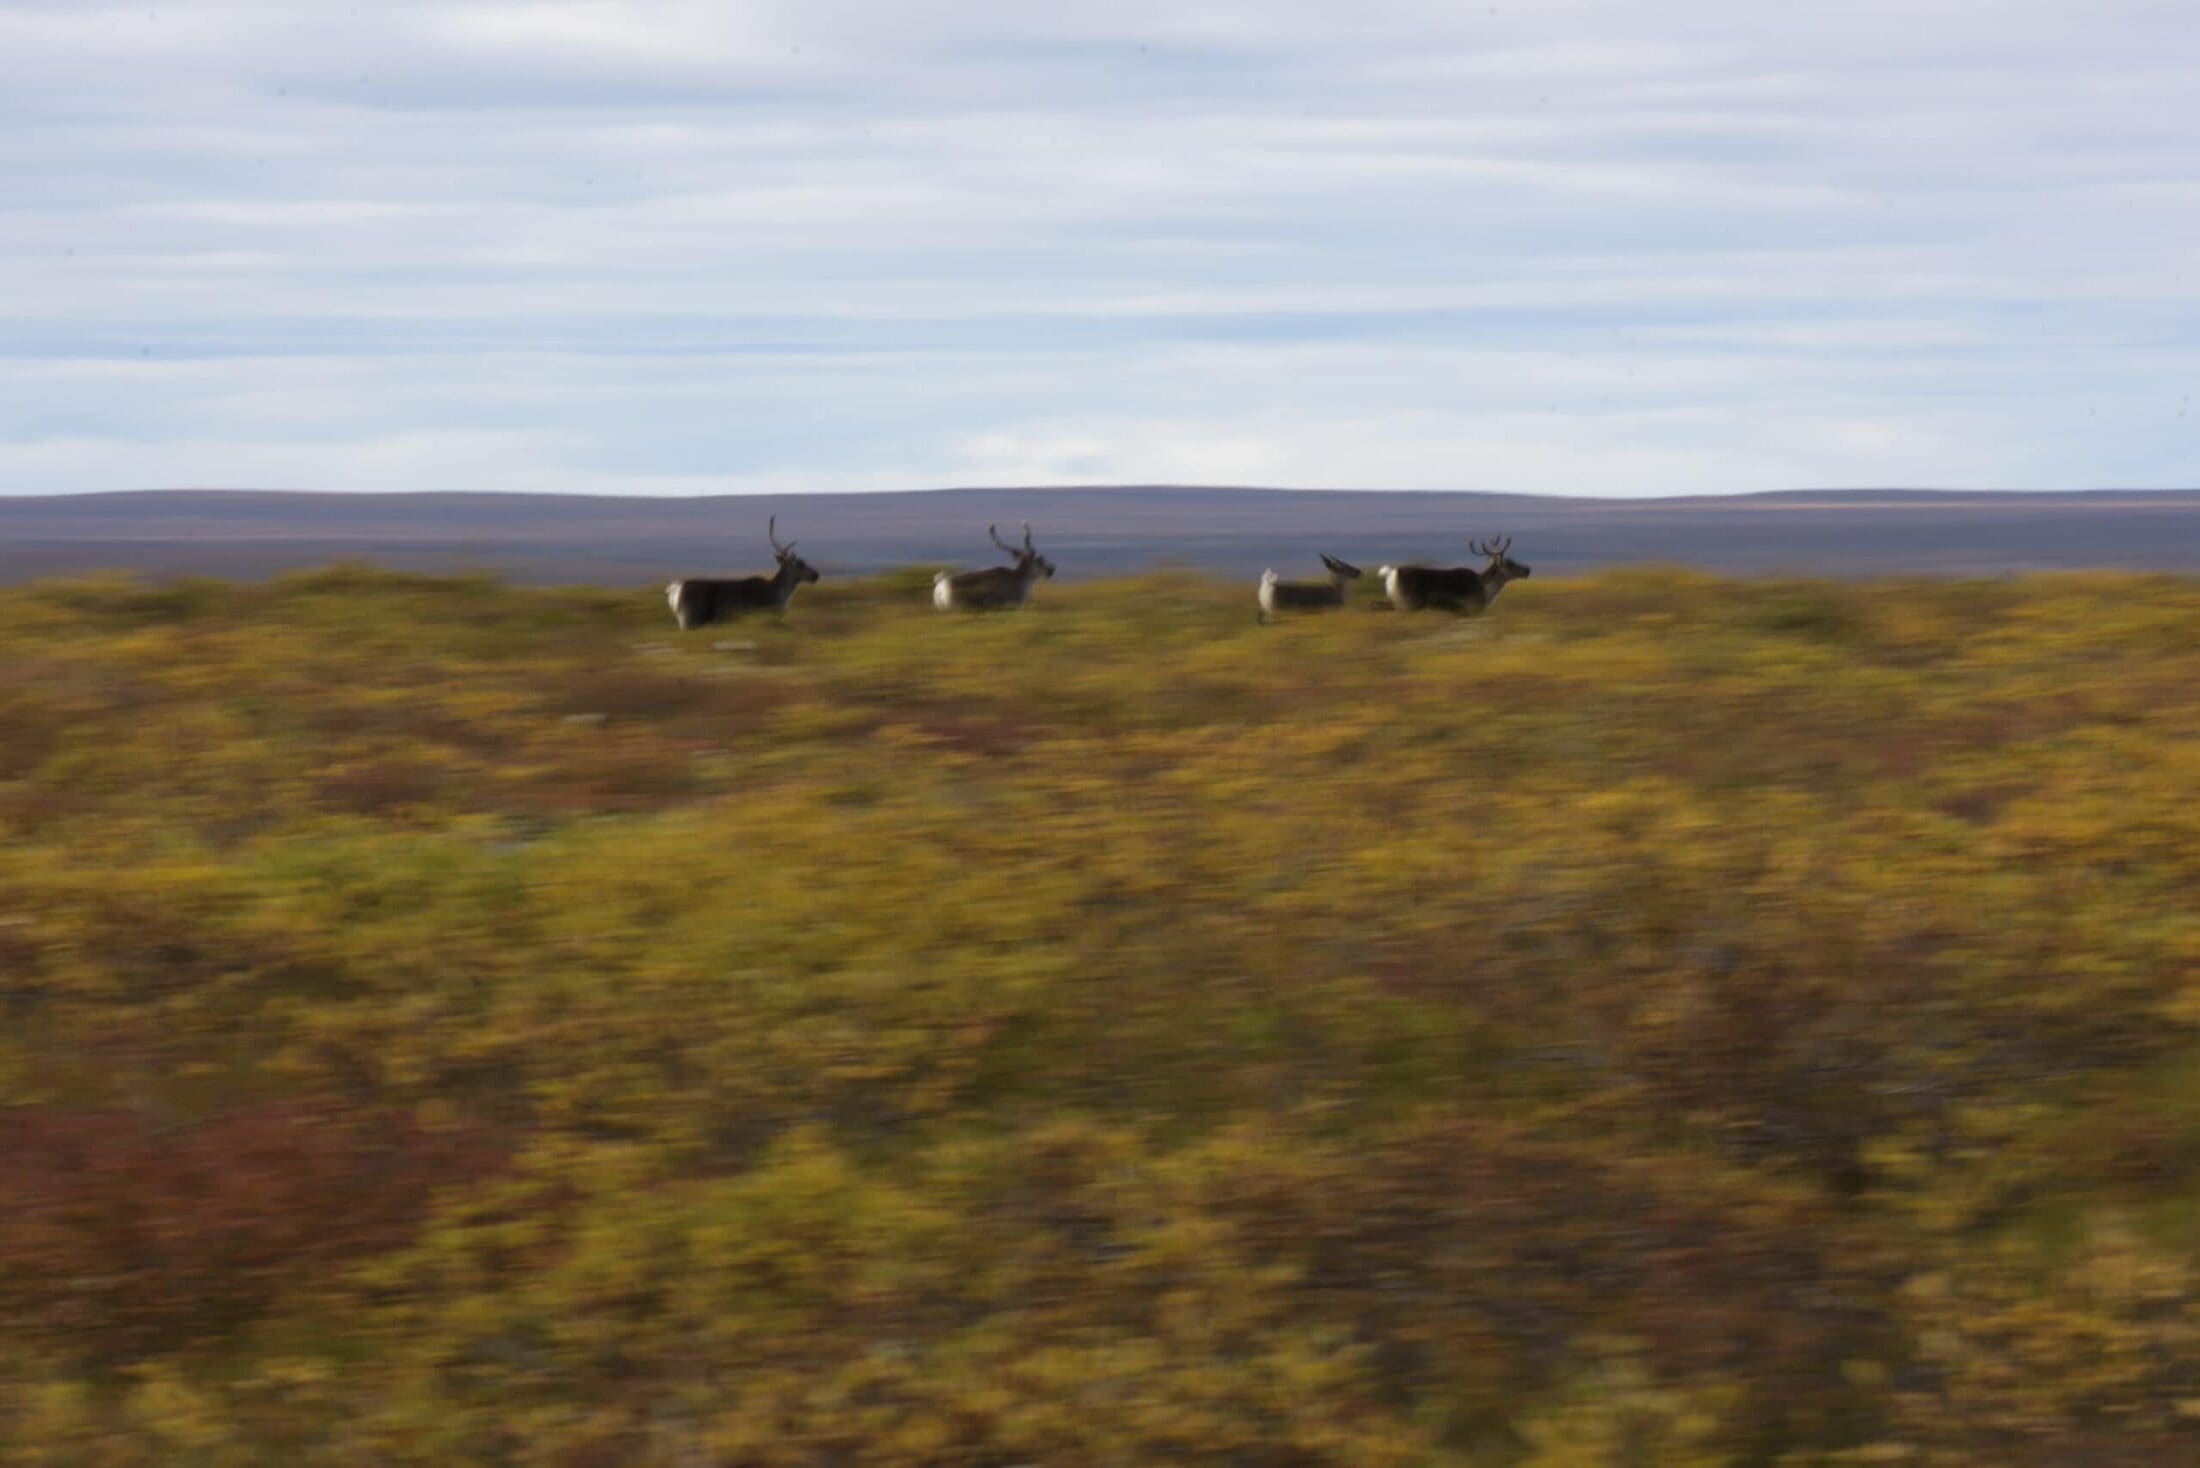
1027 539
1006 548
771 531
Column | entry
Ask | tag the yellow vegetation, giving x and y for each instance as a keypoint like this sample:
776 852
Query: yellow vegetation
1663 1021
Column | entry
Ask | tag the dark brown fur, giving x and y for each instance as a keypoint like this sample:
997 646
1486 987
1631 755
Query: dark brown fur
996 586
1277 595
699 601
1453 588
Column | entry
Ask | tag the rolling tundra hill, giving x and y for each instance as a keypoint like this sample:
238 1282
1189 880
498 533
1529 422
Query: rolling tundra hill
1091 531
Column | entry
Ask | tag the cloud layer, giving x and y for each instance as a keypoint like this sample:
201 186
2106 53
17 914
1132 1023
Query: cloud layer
675 247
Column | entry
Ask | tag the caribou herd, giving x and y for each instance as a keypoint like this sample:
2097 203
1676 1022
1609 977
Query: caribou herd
699 601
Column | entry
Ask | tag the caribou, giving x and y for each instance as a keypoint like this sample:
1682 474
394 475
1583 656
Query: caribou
1453 588
1277 595
996 586
699 601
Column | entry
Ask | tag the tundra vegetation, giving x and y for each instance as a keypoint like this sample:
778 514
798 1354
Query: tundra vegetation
1674 1021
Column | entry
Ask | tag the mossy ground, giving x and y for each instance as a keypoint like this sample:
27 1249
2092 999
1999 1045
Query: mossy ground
1667 1020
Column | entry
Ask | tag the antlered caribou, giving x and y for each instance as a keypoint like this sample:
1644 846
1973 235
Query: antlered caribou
699 601
1453 588
1277 595
996 586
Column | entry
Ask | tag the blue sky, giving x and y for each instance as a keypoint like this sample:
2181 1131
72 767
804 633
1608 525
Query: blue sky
678 247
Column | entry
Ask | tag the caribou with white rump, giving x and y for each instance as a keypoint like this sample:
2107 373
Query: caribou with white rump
996 586
700 601
1453 588
1306 596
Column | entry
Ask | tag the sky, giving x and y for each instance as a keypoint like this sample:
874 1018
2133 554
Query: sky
673 247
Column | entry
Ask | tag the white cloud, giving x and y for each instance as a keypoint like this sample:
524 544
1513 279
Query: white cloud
599 245
1639 453
679 34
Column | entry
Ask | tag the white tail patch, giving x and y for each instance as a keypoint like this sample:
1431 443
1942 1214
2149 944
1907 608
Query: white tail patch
943 595
1390 581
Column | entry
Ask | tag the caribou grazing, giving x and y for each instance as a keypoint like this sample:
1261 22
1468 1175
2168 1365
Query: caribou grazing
996 586
700 601
1453 588
1305 596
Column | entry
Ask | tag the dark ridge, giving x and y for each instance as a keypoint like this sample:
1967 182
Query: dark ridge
1093 530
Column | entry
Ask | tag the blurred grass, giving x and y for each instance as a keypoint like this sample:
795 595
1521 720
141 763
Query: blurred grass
1668 1019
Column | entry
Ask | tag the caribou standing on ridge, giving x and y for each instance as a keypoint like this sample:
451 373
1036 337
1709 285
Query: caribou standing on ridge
1305 596
1453 588
699 601
996 586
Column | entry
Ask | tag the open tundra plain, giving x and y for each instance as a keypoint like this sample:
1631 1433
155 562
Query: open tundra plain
1666 1019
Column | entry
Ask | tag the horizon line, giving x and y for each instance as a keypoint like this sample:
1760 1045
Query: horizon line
1845 491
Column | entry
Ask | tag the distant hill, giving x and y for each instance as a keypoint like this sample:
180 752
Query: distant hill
1092 531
